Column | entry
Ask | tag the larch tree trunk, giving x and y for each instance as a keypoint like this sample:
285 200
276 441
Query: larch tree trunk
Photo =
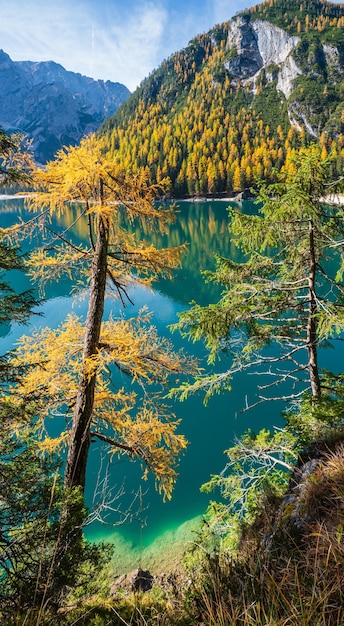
312 323
80 439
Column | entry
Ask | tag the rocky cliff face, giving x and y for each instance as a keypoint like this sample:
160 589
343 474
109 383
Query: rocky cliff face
52 106
261 51
257 45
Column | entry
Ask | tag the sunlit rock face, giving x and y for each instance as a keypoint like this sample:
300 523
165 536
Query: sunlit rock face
286 76
274 44
258 45
242 40
52 106
260 53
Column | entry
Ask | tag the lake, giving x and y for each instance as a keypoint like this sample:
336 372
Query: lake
209 430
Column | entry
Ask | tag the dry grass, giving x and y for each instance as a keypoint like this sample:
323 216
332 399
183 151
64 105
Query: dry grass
290 571
293 578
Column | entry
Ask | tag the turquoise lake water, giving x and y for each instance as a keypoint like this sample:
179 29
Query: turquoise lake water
209 430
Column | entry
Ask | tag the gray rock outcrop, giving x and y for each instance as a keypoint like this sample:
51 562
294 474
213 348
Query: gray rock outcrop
256 46
259 53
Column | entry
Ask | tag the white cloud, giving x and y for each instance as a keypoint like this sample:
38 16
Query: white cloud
132 47
118 40
114 44
37 31
224 10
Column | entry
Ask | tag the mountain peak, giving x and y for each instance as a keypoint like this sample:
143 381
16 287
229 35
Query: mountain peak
234 104
51 105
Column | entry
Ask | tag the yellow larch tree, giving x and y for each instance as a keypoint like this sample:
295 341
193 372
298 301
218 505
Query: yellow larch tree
54 358
70 366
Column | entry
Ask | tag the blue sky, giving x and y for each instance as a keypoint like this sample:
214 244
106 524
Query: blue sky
118 40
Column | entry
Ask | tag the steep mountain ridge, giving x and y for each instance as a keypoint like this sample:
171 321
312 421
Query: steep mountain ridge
52 106
236 102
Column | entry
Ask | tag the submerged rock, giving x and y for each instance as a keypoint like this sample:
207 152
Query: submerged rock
142 580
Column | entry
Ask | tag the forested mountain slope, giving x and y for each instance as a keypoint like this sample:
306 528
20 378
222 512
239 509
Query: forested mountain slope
235 103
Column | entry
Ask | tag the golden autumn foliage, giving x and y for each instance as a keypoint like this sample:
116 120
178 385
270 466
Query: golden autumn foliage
75 176
304 16
71 369
133 348
207 144
210 129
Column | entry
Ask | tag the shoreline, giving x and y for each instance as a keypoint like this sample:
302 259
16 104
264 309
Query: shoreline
14 196
162 556
239 197
227 198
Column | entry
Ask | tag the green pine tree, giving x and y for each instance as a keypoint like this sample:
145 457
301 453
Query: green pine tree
284 300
